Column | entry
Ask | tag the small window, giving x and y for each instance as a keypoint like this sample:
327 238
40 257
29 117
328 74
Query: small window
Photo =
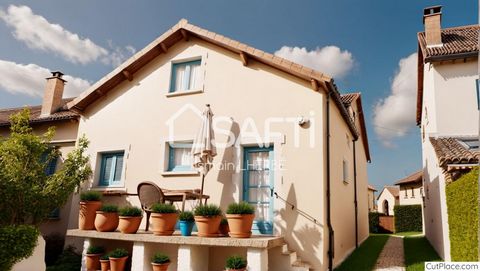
185 76
406 193
413 192
345 171
180 156
111 169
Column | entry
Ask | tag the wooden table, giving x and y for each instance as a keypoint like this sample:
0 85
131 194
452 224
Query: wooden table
183 195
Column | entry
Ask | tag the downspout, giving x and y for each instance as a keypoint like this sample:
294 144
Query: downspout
355 203
329 221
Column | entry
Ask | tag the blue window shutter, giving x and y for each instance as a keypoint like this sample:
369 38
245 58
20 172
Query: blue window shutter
111 169
171 156
188 73
478 93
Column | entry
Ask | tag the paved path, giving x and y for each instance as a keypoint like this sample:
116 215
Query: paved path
391 258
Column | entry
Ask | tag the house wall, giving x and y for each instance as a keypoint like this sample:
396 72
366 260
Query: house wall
407 197
392 201
371 201
135 118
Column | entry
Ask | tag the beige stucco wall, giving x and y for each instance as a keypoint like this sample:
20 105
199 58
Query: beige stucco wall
134 118
371 201
392 201
407 197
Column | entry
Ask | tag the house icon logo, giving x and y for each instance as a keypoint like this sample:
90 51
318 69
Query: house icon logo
171 121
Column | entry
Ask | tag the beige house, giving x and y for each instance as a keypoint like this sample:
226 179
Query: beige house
388 199
372 205
411 189
447 115
142 117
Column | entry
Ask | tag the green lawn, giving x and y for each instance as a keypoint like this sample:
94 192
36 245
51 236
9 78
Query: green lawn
417 251
408 233
365 257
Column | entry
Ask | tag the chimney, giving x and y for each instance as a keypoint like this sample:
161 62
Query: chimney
432 17
52 97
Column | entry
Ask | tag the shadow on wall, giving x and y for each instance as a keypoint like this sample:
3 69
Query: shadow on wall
305 239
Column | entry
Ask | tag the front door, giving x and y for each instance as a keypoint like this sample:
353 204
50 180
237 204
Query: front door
258 187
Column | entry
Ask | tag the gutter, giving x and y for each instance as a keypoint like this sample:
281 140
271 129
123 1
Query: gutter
329 221
450 57
355 203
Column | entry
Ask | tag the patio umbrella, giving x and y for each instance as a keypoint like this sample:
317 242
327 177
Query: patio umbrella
203 149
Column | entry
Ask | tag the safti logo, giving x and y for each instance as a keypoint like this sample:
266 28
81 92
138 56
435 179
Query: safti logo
246 130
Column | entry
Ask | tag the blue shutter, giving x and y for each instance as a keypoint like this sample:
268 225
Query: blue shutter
111 169
188 73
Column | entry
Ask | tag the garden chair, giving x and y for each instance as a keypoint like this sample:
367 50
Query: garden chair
149 193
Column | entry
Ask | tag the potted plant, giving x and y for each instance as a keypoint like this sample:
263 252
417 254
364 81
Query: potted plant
89 204
207 217
186 223
160 262
224 229
118 257
240 219
92 257
107 218
105 262
130 218
236 263
164 217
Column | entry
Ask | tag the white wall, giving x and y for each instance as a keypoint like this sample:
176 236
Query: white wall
409 197
386 195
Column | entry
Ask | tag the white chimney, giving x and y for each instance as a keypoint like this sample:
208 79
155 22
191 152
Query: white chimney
432 17
52 97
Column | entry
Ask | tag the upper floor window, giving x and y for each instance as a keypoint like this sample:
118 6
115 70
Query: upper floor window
185 76
180 156
111 169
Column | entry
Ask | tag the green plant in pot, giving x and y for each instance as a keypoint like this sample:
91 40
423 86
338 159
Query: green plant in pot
130 218
186 223
107 218
92 257
236 263
118 257
164 217
160 262
104 262
240 219
89 205
208 217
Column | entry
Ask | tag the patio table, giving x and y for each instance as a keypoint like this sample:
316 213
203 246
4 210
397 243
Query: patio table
183 195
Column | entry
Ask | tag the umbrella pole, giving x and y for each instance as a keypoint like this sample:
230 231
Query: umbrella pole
201 190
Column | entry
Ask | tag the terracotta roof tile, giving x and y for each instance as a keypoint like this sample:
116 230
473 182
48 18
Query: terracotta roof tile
413 178
371 187
449 150
62 114
349 98
394 190
456 40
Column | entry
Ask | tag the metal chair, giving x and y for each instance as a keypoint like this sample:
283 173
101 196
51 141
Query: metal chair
149 193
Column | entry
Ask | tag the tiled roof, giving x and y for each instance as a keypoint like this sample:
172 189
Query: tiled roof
371 187
349 98
450 151
394 190
414 178
456 41
62 114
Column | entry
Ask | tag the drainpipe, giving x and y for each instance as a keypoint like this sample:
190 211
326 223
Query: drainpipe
355 203
329 222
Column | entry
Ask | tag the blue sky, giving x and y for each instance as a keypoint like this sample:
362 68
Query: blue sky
370 37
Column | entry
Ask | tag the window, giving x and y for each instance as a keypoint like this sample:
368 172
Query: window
111 169
185 76
345 171
406 193
180 156
413 192
50 170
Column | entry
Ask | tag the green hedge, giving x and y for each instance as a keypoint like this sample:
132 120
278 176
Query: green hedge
462 205
408 218
373 222
16 243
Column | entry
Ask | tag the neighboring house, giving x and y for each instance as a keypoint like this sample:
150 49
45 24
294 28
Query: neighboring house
411 189
387 199
142 118
447 115
372 205
52 112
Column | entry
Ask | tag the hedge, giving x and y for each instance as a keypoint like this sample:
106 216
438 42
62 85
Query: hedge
408 218
16 243
373 222
462 206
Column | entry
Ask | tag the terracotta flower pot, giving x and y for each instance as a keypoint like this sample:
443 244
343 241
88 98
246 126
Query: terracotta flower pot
224 229
86 215
243 269
92 261
208 226
163 224
129 224
118 264
160 266
105 265
240 225
106 221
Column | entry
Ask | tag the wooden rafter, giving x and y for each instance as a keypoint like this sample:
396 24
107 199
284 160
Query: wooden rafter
163 47
128 75
184 34
244 58
315 85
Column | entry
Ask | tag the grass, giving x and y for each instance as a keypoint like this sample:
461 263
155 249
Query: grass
408 233
365 257
417 251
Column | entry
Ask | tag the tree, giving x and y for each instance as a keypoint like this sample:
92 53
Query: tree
27 193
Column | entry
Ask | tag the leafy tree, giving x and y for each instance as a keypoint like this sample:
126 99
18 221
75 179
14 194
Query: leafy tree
27 193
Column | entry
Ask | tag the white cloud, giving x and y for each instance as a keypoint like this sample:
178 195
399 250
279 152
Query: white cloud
30 80
38 33
330 60
394 115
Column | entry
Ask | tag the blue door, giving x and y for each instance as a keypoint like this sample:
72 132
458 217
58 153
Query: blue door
258 187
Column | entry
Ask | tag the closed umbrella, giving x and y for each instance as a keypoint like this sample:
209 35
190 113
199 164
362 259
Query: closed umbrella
203 149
